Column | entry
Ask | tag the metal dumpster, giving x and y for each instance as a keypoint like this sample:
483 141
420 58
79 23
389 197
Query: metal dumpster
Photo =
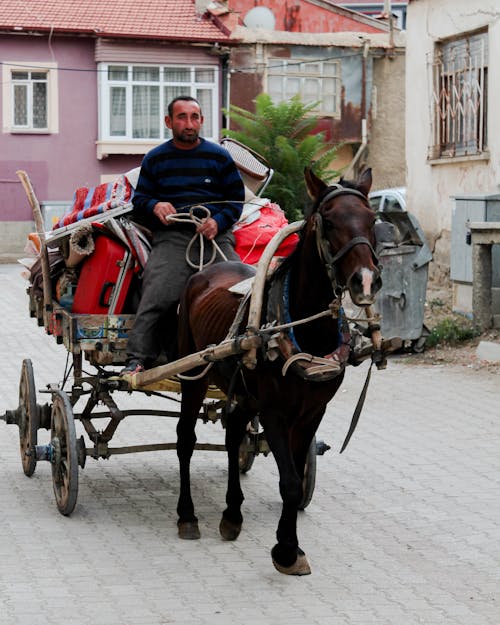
405 263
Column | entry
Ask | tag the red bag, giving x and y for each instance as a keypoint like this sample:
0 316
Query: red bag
252 239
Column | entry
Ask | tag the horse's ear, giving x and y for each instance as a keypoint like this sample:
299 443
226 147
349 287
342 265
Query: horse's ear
364 182
314 184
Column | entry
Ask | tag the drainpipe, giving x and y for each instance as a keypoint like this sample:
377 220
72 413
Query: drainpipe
350 171
226 72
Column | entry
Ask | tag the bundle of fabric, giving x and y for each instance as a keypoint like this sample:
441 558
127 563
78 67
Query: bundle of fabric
90 201
259 222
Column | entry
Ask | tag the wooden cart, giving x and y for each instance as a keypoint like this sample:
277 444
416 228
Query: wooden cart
101 341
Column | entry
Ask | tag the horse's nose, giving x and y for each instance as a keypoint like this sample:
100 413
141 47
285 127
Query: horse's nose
363 285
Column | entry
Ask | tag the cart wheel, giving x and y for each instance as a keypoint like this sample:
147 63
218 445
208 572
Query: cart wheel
28 418
65 458
418 345
309 481
246 456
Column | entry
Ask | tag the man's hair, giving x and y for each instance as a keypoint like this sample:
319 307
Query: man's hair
181 98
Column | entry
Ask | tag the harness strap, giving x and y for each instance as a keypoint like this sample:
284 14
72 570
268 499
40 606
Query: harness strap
357 410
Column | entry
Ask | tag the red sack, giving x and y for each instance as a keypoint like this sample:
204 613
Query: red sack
251 239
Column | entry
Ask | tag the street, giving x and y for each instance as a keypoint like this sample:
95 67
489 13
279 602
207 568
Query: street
403 527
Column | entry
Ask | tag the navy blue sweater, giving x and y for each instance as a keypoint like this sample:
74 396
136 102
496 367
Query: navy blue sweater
202 175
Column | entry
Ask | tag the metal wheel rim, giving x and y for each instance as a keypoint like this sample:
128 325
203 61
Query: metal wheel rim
309 481
65 462
28 418
245 457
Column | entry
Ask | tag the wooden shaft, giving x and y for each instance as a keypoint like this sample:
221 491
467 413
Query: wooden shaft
212 353
257 298
374 329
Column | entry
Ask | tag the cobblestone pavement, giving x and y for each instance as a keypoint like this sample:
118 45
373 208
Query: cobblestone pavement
403 528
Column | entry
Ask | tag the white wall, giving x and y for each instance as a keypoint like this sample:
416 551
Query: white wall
430 187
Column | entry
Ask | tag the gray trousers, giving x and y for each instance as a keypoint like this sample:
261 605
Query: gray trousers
165 276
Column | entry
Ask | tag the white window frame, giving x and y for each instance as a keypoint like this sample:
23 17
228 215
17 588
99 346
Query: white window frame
297 69
8 67
459 82
111 144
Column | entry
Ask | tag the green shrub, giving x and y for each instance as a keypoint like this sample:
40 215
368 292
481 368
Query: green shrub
451 331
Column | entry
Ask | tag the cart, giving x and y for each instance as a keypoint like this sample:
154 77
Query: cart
100 340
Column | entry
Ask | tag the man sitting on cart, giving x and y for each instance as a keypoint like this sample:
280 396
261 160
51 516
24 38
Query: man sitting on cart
184 172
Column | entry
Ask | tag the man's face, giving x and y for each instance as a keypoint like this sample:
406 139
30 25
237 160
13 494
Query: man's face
185 123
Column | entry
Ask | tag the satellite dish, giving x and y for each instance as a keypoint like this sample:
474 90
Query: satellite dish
260 17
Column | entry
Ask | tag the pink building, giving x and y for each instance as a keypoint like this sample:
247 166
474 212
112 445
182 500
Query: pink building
85 83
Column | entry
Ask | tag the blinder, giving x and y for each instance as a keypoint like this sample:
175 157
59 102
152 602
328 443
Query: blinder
323 245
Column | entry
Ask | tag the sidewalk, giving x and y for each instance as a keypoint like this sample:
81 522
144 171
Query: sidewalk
403 527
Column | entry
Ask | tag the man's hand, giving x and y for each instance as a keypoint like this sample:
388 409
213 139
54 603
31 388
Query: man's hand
162 210
208 228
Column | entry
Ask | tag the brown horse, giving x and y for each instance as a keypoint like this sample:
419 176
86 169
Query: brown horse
335 253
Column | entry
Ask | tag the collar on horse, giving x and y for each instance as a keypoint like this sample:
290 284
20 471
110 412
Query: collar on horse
307 366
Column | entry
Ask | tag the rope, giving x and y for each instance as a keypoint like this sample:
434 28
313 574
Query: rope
284 326
191 217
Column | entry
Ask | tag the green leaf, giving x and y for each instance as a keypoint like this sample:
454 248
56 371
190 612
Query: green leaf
284 134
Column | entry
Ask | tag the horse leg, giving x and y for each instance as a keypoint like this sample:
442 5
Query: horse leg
232 519
192 398
287 556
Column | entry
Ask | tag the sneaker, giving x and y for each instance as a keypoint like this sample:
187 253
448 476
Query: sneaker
133 366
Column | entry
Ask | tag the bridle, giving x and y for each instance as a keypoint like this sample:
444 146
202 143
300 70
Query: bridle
323 244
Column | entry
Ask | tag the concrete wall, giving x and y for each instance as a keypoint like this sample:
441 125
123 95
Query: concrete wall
431 186
386 155
381 102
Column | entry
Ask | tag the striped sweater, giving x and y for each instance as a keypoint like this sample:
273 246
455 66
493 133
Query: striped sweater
201 175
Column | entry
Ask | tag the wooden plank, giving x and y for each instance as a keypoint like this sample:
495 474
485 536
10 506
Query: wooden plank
201 358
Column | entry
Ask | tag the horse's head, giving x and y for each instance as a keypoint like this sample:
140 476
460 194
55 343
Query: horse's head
343 221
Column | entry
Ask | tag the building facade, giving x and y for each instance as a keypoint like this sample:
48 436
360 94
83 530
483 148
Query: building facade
452 128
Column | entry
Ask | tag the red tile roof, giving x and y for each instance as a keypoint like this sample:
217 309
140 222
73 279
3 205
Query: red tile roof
150 19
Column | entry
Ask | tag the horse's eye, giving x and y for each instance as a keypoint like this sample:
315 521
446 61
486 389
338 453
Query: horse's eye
327 225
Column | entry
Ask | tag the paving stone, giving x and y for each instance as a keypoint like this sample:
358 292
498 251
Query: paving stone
403 527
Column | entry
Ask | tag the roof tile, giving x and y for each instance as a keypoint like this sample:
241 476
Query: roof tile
156 19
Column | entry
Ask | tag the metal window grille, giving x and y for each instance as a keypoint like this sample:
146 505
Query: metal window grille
459 97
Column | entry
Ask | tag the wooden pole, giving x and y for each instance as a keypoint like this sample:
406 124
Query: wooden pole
44 258
256 300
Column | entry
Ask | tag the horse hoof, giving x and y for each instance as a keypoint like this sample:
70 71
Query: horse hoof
188 530
228 530
299 567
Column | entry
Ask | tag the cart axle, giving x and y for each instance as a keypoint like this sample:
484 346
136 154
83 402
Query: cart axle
45 452
11 417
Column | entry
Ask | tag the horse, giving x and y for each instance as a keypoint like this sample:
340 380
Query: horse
335 253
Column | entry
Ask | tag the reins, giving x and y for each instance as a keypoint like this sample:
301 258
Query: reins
195 220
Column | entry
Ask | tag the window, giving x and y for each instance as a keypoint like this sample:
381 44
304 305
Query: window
30 98
460 95
134 99
313 81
